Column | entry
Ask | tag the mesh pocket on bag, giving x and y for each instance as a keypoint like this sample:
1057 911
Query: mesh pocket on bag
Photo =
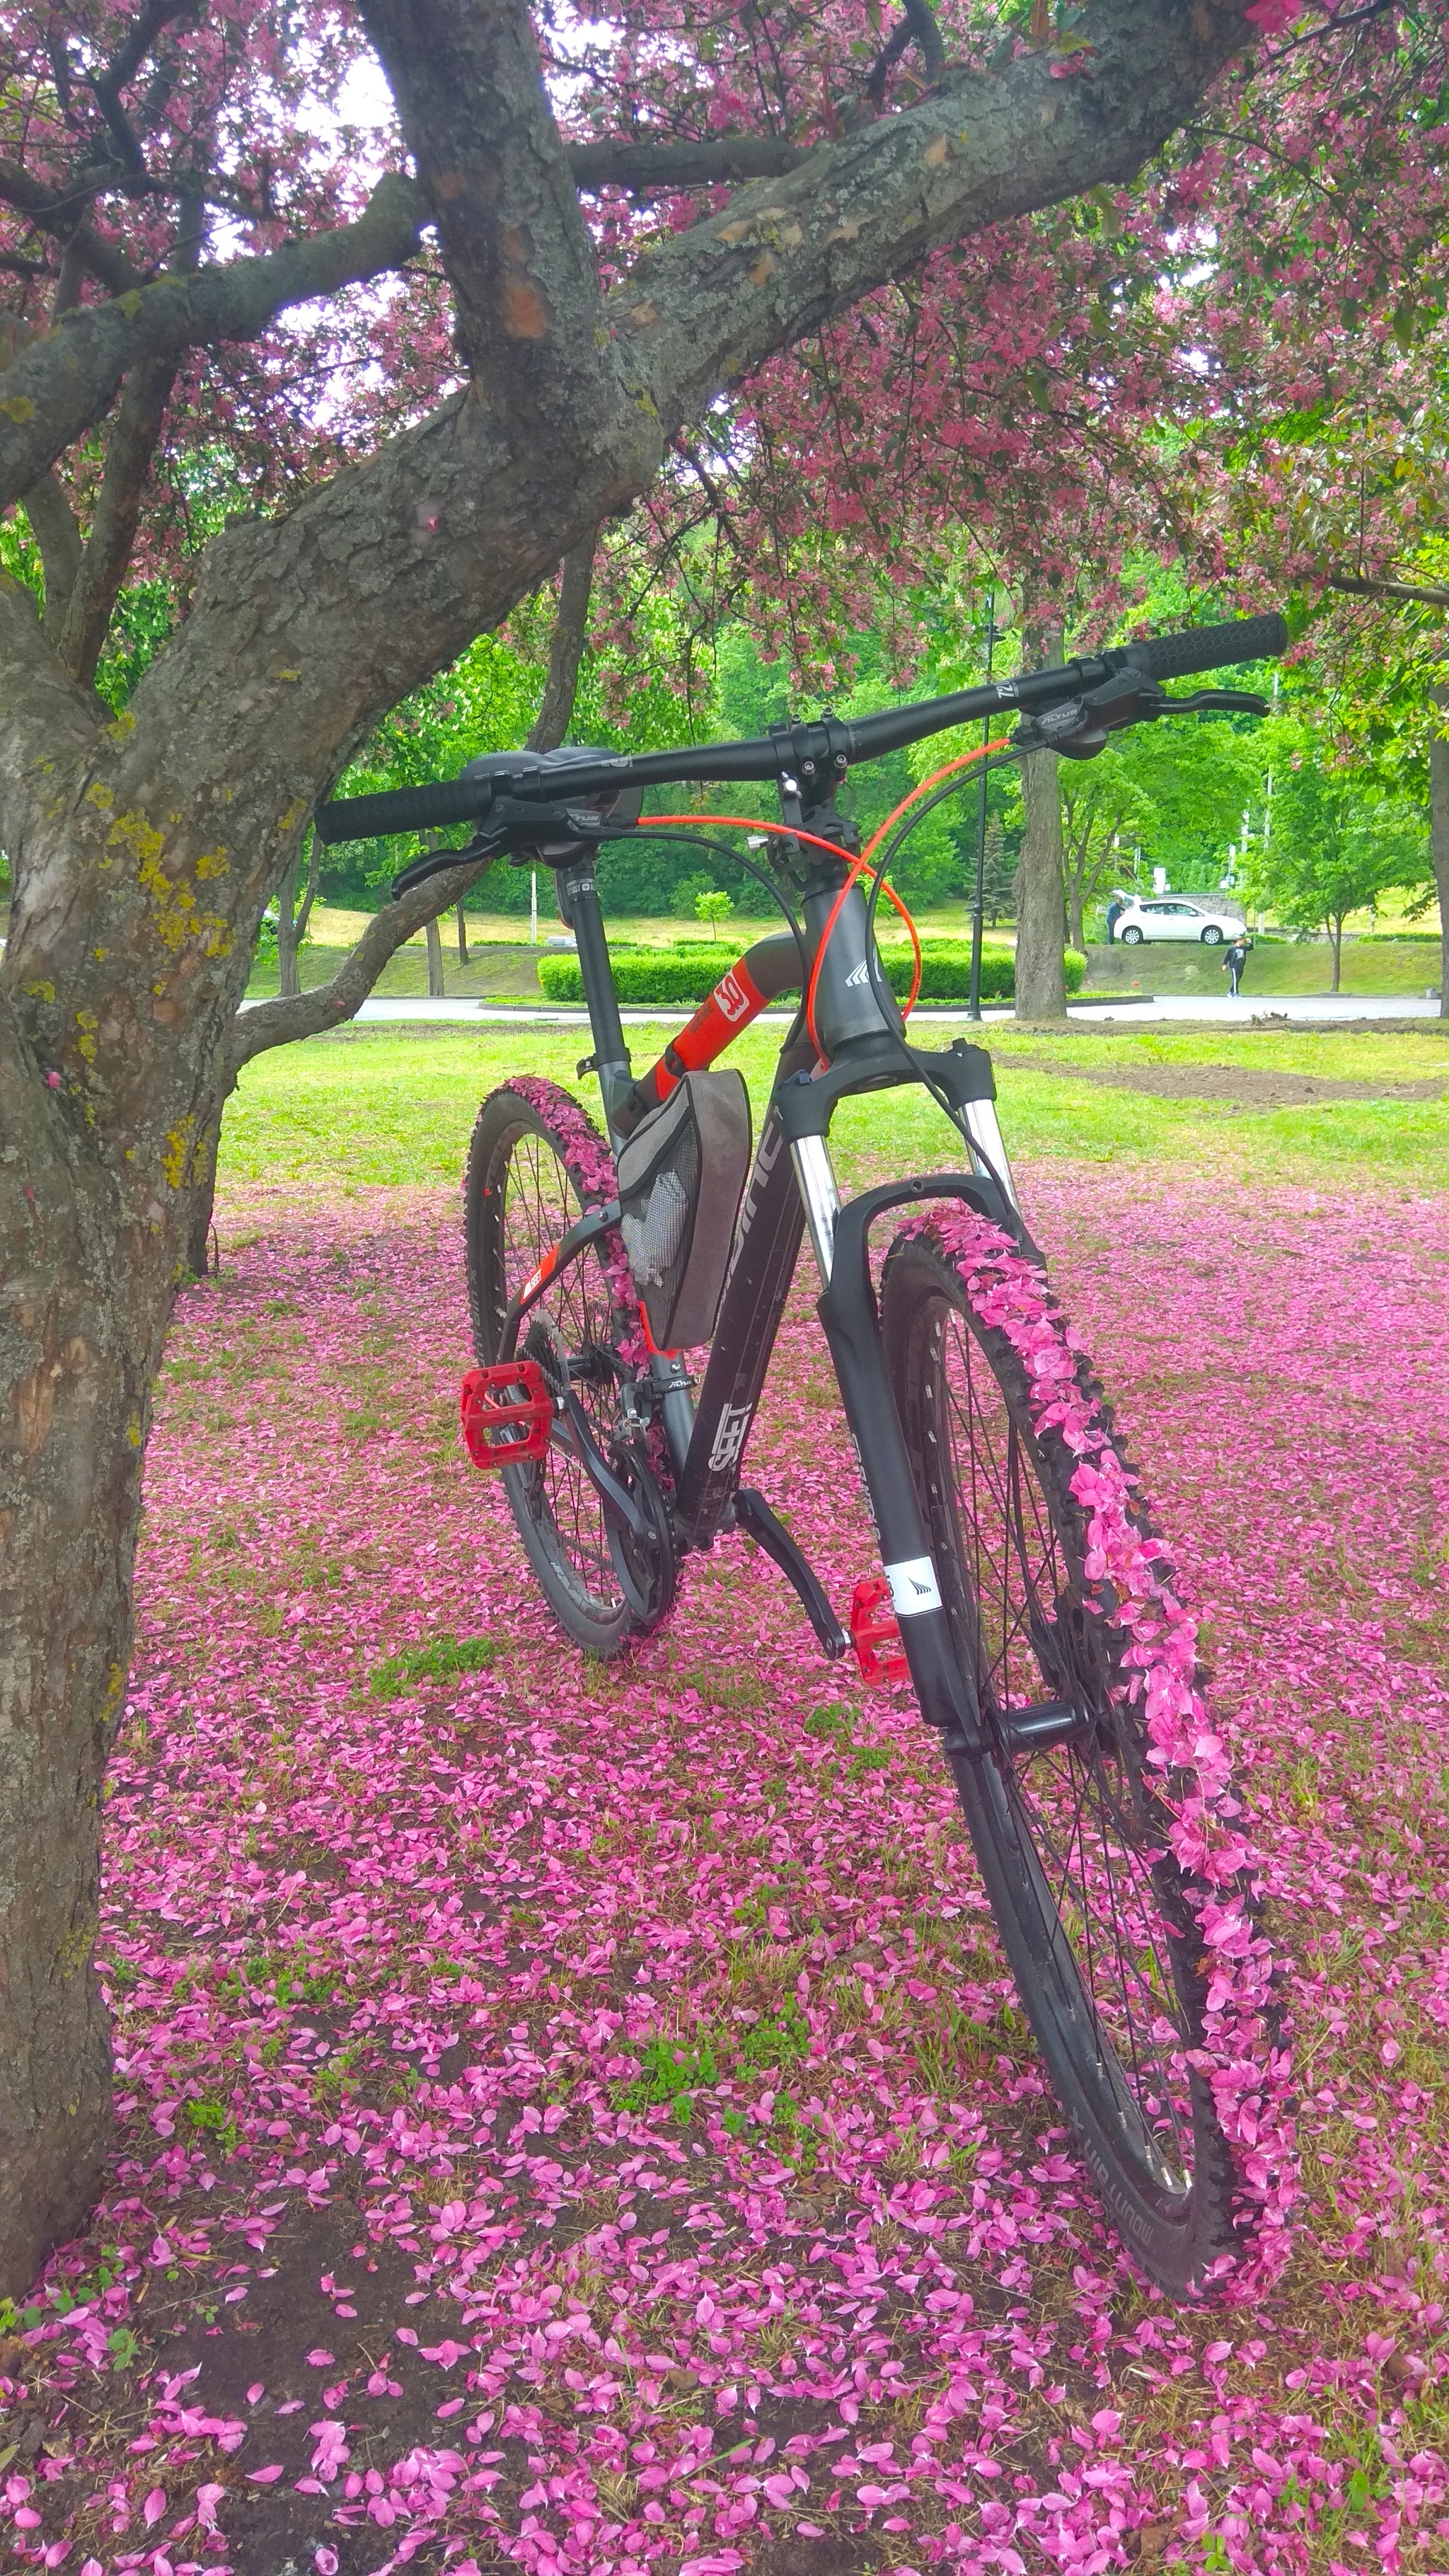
681 1177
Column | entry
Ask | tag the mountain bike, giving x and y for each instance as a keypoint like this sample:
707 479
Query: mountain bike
1023 1597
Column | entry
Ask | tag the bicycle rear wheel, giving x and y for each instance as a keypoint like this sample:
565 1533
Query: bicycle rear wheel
1102 1922
535 1164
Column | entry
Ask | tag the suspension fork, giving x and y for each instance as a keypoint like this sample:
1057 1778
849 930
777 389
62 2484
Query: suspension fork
839 1236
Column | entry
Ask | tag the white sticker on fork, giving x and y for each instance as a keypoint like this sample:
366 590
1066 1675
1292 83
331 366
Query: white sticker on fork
913 1587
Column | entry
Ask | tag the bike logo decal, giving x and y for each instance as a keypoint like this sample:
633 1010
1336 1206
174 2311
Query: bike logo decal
539 1278
730 998
858 973
772 1138
729 1440
913 1584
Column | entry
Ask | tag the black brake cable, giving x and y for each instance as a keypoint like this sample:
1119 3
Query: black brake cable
705 841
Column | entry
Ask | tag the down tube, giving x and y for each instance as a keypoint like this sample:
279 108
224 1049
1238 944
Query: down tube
767 1243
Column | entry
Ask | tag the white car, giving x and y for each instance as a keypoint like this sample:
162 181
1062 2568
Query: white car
1173 916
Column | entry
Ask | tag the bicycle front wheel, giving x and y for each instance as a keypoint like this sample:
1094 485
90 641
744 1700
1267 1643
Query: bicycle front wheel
1103 1925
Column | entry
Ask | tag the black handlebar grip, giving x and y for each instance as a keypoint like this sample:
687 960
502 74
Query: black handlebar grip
1208 648
404 809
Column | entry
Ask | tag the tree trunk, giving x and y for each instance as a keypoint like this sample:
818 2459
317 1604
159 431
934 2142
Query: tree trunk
435 962
1041 986
1335 933
566 647
85 1294
292 922
1439 841
462 938
203 1202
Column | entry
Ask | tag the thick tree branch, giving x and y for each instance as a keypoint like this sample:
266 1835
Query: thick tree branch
786 255
566 649
1365 586
102 567
270 1024
55 529
61 217
60 384
52 731
468 84
123 66
657 169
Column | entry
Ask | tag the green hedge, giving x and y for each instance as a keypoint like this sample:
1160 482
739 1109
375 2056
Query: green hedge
684 973
692 968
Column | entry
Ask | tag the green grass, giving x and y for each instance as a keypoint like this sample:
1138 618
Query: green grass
438 1661
385 1108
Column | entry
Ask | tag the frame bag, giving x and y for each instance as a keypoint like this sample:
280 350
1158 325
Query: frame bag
681 1178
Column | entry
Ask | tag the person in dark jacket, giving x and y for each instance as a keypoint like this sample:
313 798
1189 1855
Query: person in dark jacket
1235 959
1115 910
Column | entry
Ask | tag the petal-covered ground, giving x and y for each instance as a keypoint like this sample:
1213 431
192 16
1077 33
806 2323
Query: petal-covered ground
576 2118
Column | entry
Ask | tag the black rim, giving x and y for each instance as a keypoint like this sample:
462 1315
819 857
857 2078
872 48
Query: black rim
1096 1891
567 1333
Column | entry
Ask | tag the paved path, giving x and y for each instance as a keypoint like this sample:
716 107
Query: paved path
1307 1008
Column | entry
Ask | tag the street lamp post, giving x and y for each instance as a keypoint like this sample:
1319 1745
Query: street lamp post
978 908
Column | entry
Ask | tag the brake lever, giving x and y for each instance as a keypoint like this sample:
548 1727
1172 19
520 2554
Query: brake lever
434 863
1232 702
1079 728
514 823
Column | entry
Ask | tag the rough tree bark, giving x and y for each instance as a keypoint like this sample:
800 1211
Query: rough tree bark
293 919
1041 987
145 850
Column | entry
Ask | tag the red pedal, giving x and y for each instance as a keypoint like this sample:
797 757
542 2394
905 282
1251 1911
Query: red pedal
507 1414
875 1635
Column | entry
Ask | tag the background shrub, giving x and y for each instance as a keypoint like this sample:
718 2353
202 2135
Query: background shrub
686 972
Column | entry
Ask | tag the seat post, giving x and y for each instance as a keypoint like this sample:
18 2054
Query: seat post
580 891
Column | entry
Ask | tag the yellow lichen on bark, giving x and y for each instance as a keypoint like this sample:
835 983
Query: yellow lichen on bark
178 1149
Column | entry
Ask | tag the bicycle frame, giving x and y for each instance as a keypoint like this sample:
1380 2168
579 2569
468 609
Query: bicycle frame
792 1189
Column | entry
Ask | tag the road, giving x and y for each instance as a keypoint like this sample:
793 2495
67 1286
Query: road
1307 1009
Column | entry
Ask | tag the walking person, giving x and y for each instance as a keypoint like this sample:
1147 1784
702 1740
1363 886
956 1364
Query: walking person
1115 910
1235 959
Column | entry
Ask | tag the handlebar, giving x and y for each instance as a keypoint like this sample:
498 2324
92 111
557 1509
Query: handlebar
818 753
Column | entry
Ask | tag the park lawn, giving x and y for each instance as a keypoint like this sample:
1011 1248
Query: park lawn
389 1108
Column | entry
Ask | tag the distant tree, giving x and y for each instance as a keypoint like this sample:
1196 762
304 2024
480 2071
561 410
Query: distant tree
998 875
1337 843
1100 802
713 909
